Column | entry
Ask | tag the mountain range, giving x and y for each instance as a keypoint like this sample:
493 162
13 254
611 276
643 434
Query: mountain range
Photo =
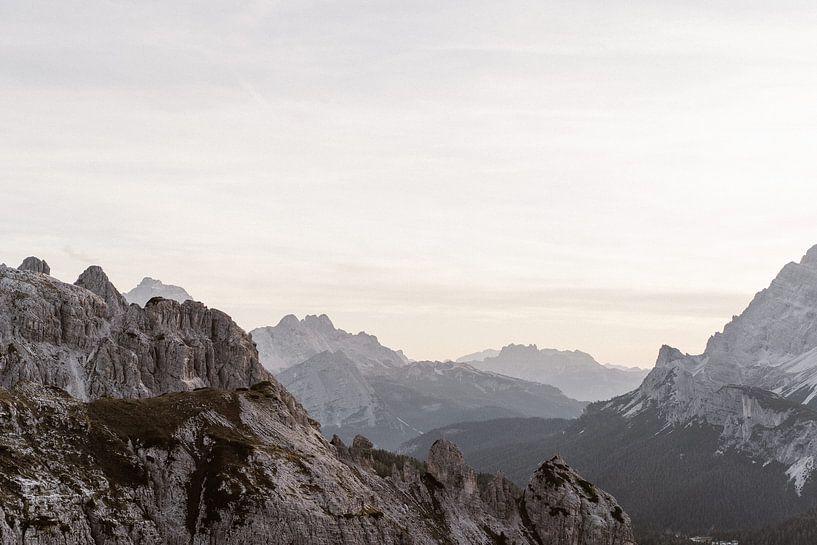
122 425
730 434
356 385
575 373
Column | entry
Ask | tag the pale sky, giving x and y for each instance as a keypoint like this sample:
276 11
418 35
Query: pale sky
450 176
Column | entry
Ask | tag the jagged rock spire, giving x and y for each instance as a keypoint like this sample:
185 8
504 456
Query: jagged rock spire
447 464
35 264
95 280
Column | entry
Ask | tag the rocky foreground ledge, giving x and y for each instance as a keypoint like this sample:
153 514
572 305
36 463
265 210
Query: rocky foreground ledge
244 467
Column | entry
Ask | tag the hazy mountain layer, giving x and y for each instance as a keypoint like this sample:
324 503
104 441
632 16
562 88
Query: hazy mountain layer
575 373
354 385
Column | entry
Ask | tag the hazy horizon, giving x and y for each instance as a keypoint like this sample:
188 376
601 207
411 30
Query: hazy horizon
448 177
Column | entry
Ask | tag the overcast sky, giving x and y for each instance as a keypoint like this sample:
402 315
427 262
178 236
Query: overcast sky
450 176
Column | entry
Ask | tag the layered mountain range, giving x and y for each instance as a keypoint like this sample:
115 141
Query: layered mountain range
575 373
158 425
356 385
730 434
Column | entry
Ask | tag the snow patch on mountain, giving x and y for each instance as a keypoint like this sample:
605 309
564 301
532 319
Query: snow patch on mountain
800 471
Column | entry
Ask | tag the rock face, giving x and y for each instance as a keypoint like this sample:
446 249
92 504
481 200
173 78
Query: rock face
87 340
149 288
575 373
34 264
249 467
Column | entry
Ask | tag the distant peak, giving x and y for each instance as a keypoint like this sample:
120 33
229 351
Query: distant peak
289 320
668 354
517 348
35 264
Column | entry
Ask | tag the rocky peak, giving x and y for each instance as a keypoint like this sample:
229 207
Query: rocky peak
294 341
668 354
361 443
149 288
565 509
518 351
35 264
446 464
96 281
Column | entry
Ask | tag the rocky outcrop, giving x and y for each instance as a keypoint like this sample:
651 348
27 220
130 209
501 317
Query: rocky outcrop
149 288
35 264
96 281
247 467
562 508
446 464
87 340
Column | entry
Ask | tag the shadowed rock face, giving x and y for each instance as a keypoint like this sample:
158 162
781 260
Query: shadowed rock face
87 340
35 264
249 467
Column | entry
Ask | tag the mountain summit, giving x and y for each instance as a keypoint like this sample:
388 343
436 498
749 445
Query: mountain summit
149 288
294 341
